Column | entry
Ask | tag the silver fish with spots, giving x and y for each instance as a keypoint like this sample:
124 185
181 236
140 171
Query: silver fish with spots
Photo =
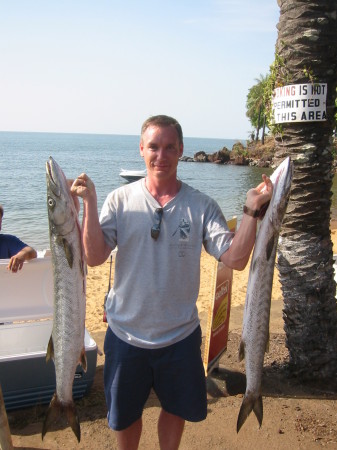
66 345
255 332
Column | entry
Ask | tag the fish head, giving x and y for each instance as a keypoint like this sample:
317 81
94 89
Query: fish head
62 213
281 179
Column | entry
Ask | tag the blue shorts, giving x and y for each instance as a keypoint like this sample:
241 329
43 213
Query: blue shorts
176 374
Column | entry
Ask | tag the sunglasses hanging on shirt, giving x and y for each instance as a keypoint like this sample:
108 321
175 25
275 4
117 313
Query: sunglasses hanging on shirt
155 230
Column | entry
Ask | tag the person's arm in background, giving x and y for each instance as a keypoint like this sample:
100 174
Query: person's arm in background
16 261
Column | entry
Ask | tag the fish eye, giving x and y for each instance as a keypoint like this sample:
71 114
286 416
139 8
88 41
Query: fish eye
51 202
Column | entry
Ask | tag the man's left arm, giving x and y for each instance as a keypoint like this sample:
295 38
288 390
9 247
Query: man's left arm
237 256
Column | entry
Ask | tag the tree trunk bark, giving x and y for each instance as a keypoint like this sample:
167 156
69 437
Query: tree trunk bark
258 125
263 129
307 44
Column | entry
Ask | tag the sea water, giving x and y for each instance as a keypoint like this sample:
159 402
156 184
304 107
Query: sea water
23 158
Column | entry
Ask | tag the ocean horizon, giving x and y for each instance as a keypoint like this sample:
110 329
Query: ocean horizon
23 157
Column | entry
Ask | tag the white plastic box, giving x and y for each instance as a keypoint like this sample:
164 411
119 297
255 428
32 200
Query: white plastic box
26 308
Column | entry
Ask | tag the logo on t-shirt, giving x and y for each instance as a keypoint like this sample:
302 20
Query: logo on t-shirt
184 229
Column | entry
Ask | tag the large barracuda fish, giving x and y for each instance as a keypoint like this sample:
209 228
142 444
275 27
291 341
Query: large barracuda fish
66 345
255 333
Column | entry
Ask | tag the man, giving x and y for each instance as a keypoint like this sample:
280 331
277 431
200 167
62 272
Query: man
153 340
11 247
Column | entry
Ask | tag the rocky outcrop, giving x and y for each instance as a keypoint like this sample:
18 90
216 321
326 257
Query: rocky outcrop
200 157
219 157
255 154
186 159
240 160
261 154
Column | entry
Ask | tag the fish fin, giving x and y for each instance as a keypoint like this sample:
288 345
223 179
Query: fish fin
270 247
73 420
54 413
249 404
241 350
68 250
83 360
258 409
50 349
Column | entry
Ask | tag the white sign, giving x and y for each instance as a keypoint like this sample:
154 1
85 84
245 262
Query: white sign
300 103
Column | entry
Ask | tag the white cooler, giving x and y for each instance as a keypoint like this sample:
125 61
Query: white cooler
26 309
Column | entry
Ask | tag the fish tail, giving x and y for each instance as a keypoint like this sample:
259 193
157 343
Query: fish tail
83 360
73 420
50 349
55 410
249 404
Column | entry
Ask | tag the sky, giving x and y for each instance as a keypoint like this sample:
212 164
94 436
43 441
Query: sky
104 66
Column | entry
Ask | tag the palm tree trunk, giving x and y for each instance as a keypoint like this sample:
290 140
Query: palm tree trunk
307 44
258 125
263 129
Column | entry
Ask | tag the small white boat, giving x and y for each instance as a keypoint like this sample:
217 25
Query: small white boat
132 175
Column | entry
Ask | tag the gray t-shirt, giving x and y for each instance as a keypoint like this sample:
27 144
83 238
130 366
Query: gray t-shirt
153 300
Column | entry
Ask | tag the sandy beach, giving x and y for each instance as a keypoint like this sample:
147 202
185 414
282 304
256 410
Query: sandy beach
295 416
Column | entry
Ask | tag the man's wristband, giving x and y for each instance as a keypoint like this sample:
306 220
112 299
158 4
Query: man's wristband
251 212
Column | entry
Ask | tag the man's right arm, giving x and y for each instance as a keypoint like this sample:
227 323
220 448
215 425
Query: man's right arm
95 248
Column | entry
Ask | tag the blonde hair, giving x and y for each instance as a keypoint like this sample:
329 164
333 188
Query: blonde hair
163 121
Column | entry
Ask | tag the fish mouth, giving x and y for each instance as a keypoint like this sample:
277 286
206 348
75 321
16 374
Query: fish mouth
288 169
51 178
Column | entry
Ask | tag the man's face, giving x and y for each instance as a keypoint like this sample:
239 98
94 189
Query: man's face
161 150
